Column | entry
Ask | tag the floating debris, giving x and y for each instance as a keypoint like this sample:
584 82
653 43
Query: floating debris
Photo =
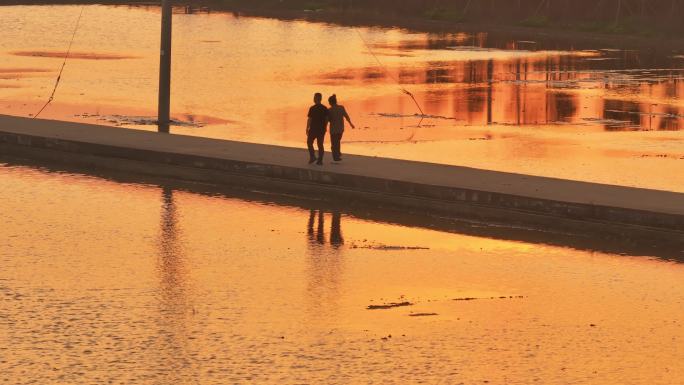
422 314
124 120
388 247
420 116
640 113
610 122
489 298
75 55
389 305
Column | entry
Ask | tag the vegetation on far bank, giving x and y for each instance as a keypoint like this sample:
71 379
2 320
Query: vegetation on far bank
648 18
637 17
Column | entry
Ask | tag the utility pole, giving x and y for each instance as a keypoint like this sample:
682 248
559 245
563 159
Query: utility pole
164 106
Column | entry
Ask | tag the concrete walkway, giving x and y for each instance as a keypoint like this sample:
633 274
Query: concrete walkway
390 177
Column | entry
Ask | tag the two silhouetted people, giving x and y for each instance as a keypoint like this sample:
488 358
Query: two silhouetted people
318 118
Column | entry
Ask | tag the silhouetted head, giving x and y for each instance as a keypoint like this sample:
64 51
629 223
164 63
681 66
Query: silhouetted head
333 100
318 98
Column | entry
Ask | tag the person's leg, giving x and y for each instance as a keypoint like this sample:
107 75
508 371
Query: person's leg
320 138
335 145
309 143
338 138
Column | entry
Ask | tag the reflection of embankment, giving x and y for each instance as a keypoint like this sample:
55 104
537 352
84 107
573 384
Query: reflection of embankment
631 241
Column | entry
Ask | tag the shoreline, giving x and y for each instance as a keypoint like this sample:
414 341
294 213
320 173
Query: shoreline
558 36
549 35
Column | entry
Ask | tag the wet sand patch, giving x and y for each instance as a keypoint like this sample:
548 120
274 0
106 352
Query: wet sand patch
74 55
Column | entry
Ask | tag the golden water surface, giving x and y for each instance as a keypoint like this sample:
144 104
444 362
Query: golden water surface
111 282
108 282
536 107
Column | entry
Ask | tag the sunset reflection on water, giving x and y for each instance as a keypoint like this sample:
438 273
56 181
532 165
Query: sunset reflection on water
146 283
537 107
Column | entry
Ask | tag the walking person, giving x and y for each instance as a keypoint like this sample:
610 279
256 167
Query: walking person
337 115
316 126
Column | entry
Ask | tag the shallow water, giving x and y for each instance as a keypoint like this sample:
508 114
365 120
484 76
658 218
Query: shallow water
143 283
537 107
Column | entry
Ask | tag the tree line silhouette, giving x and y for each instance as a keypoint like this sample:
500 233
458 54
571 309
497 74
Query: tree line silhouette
631 16
611 15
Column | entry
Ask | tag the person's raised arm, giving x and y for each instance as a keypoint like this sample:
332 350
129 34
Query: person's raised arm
346 116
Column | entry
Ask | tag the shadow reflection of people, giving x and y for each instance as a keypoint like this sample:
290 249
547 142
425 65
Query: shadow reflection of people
318 235
336 239
325 265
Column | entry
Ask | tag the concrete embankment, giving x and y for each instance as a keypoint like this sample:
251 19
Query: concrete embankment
406 185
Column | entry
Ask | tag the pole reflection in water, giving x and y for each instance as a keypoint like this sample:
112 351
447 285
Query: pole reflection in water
325 264
175 307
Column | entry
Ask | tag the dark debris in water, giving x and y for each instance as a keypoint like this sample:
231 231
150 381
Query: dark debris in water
75 55
420 116
389 305
124 120
422 314
489 298
386 247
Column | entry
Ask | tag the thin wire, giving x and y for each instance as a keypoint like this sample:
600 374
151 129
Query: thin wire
66 56
404 90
